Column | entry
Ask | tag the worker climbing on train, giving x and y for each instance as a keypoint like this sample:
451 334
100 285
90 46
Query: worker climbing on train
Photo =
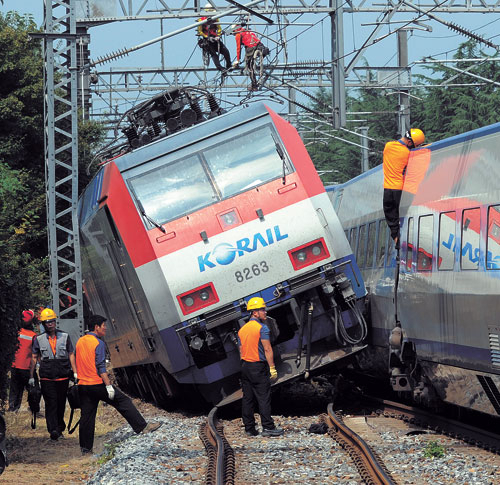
396 154
243 35
257 369
210 39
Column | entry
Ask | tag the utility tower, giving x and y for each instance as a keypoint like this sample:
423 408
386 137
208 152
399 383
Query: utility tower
61 162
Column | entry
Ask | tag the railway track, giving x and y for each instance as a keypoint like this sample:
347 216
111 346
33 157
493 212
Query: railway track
369 465
455 429
221 466
221 462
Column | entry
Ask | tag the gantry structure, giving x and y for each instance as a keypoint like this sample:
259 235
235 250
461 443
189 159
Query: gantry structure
72 78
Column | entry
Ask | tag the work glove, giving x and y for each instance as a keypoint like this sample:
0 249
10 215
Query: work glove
273 372
75 377
111 392
31 382
236 63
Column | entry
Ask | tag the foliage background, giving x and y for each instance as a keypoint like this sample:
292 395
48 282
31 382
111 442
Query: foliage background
24 279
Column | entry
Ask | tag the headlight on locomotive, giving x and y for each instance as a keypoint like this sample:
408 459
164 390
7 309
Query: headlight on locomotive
194 300
308 254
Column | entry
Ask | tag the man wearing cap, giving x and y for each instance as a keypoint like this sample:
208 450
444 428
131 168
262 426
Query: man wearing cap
94 385
20 371
55 352
257 369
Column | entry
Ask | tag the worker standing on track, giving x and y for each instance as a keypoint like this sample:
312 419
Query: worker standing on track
396 154
94 385
257 370
55 352
20 370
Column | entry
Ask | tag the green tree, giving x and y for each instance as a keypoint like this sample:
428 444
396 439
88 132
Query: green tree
23 235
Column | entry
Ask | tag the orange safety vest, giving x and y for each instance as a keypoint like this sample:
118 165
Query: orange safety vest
22 358
396 155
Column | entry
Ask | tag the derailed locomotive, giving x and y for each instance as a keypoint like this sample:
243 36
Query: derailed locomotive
179 233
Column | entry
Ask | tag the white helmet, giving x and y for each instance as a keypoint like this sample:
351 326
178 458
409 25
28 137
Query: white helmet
209 7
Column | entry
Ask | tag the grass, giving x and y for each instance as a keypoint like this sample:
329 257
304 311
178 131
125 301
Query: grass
434 450
108 454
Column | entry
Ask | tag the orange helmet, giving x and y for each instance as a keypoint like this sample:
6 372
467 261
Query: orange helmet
416 136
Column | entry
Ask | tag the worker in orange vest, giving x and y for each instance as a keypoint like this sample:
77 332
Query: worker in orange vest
396 154
20 373
257 369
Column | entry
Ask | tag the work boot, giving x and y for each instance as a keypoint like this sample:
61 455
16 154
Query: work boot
85 451
272 432
54 435
150 427
251 432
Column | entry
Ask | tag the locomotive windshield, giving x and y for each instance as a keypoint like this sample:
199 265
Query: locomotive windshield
181 186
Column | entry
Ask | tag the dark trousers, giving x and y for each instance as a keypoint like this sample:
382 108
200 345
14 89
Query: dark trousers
89 400
256 386
215 48
392 198
18 382
54 395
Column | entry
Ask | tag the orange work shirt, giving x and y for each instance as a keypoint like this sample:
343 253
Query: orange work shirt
250 336
396 155
90 359
22 358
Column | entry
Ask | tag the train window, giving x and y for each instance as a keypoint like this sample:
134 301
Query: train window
493 248
471 224
383 234
353 239
446 249
425 239
372 229
174 189
338 200
361 253
245 161
409 244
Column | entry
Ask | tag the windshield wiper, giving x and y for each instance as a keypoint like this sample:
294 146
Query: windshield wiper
150 219
282 156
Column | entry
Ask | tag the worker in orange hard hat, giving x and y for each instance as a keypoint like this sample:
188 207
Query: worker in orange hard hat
396 155
56 354
257 369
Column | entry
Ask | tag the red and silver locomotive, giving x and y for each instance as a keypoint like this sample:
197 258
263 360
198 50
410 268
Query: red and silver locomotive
177 234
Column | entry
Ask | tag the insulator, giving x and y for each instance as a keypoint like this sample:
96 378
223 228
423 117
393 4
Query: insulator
130 133
212 103
156 128
109 57
151 132
195 106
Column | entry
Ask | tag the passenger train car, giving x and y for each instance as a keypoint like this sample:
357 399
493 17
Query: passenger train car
179 233
448 305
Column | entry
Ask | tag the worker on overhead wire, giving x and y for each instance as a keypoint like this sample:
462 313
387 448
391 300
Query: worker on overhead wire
210 39
251 42
396 154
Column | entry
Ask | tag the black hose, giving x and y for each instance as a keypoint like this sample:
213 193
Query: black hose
396 283
309 338
301 334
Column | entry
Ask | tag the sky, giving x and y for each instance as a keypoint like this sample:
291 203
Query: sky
308 39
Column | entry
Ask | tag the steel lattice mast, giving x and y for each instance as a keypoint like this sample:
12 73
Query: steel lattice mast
61 162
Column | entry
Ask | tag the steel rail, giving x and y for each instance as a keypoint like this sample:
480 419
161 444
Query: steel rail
221 463
369 465
450 427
